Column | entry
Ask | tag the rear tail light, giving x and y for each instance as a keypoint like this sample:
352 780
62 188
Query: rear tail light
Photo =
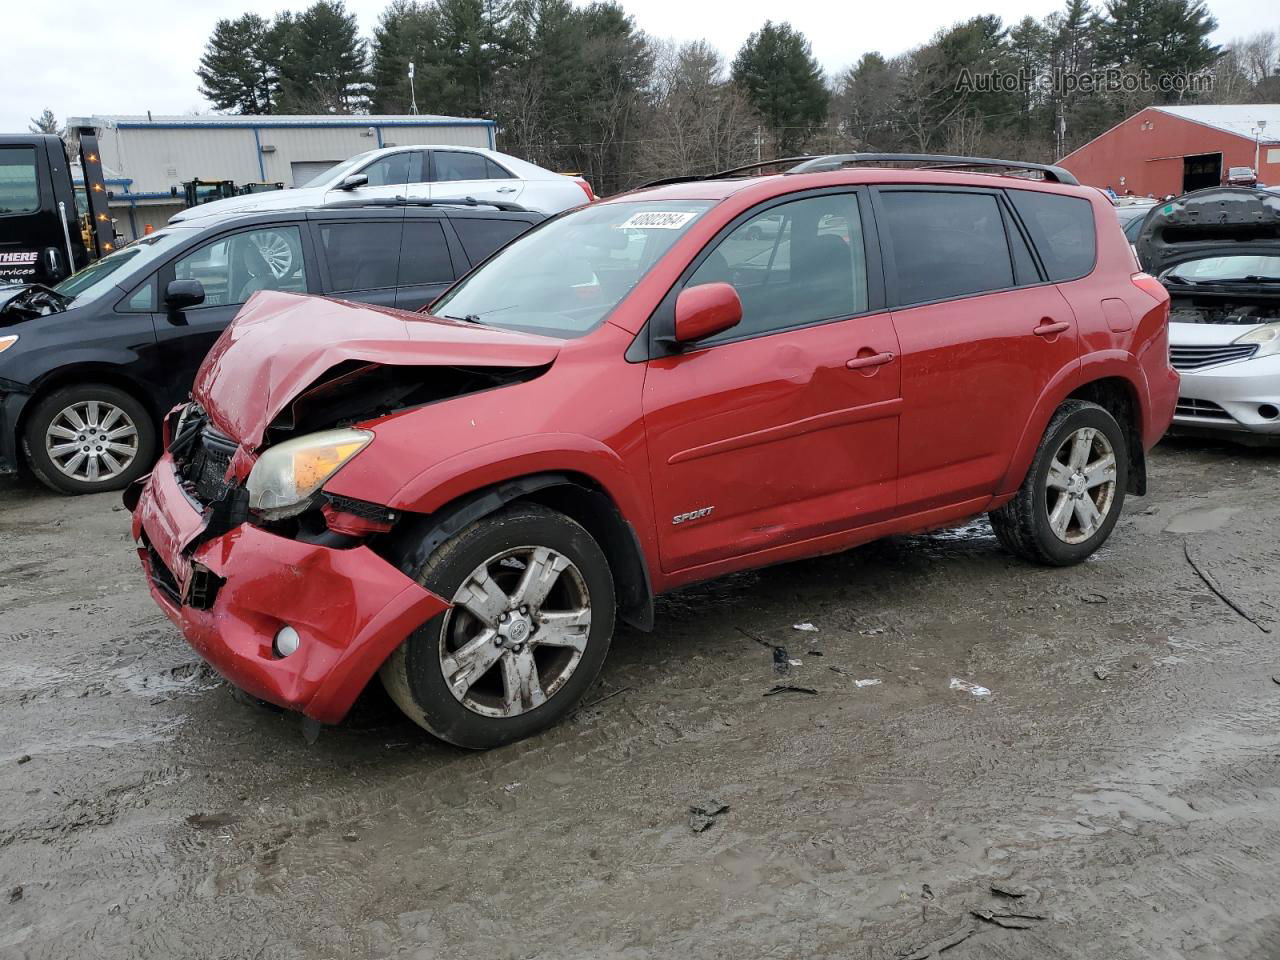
1150 286
586 188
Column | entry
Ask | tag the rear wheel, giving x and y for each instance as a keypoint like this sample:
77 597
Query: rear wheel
1073 494
529 628
89 438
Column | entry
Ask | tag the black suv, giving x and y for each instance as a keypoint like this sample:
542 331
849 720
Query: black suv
88 369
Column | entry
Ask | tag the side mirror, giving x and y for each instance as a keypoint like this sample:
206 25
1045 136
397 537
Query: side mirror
353 181
180 294
706 310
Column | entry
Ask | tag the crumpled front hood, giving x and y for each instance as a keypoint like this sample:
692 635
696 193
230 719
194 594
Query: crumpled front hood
1215 222
281 343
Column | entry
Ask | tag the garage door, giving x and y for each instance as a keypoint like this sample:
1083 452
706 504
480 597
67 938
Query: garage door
304 171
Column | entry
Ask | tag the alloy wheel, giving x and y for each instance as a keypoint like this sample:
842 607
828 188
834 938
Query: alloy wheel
516 631
92 440
1081 485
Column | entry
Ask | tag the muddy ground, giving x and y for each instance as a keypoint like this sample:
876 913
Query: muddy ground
1123 775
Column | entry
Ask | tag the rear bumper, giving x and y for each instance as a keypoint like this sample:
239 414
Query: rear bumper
231 594
1231 398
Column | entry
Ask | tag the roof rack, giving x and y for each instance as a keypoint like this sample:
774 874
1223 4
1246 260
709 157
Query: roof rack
731 172
934 162
505 205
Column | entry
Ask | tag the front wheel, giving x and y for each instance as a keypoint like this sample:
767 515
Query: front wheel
88 438
1073 494
531 619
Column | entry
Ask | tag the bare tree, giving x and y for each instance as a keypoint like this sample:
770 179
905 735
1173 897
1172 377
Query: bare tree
698 121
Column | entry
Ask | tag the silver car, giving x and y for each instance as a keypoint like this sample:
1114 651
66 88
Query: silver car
1217 252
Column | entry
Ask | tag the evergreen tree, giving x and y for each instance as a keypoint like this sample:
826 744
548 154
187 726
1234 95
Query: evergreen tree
409 31
323 68
45 123
777 71
866 103
239 71
1162 38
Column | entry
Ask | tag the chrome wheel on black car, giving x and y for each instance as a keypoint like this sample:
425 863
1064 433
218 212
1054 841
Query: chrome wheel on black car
530 623
89 438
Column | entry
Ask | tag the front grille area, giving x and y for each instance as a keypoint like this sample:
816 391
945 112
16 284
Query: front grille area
204 470
1199 357
1201 409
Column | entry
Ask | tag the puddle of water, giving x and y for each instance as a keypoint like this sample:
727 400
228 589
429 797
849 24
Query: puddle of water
1200 519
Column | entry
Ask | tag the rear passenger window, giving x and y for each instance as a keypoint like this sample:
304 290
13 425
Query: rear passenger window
481 237
496 172
946 245
361 255
452 165
796 263
424 256
1062 230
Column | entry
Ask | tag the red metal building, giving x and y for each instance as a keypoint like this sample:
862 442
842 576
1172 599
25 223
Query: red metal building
1164 150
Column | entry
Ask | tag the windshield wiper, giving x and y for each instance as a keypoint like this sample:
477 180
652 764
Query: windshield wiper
469 318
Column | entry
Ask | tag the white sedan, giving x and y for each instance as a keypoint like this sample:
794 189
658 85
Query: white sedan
422 173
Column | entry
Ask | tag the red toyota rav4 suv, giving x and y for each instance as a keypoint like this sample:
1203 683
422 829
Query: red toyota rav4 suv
690 379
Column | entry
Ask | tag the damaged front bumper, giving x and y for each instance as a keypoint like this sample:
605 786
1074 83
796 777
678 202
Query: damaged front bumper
231 594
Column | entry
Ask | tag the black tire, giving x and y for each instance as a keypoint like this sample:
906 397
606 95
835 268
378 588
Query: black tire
1023 525
414 676
49 407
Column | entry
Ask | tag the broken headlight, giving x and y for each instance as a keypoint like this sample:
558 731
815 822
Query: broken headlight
288 475
1267 337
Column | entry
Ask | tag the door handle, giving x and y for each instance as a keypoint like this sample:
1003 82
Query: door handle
1048 327
874 360
506 189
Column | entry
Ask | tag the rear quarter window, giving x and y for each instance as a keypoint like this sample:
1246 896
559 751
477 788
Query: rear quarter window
1062 230
482 236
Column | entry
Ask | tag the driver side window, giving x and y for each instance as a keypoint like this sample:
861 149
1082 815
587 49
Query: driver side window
234 267
795 263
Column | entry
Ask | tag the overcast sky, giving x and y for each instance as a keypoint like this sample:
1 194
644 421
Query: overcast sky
80 58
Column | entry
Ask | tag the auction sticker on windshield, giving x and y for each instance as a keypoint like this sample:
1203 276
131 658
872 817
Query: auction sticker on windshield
657 220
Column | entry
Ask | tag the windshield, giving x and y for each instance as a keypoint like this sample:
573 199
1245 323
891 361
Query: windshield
98 278
563 278
1227 268
339 170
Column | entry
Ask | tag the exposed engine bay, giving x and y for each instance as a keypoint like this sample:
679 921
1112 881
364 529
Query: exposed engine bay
355 390
1218 309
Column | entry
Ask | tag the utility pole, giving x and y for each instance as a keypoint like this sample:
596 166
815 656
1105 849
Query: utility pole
1257 145
413 96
